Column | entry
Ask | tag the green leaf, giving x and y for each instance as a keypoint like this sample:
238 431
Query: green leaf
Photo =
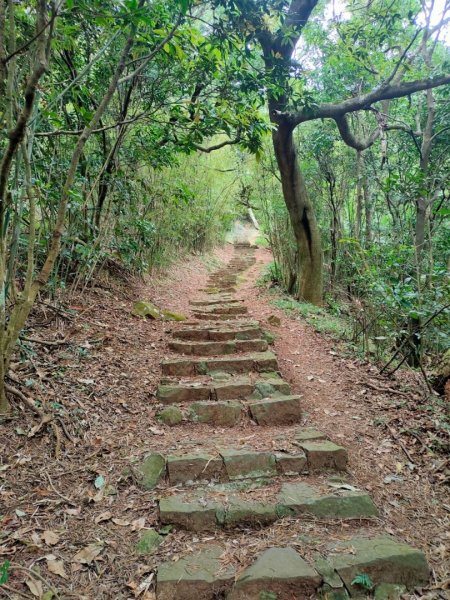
4 575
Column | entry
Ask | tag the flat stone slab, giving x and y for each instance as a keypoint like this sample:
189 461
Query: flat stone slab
219 506
207 316
216 299
223 309
230 324
193 514
323 454
239 512
278 573
217 348
382 558
242 464
237 387
309 434
218 334
266 388
280 410
220 413
185 367
192 467
173 394
198 576
302 498
291 464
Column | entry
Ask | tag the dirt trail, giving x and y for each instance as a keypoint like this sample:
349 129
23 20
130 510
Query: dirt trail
92 495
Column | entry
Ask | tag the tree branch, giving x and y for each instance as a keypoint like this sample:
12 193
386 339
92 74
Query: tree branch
80 131
154 52
328 110
350 139
218 146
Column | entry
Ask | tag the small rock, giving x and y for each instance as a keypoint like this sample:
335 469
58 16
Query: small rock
146 309
171 416
274 320
153 469
149 541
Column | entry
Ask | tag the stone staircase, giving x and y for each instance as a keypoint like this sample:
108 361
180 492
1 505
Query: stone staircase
223 375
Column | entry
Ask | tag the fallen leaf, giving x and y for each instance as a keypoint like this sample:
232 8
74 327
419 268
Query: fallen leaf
144 585
50 537
344 486
35 587
121 522
105 516
88 554
74 512
57 567
138 524
156 431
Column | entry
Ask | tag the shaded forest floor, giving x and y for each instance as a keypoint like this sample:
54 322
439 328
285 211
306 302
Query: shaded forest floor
75 517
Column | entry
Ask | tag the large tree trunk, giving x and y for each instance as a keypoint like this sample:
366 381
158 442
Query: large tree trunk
303 219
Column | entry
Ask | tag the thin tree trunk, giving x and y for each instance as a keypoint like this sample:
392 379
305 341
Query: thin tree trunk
359 193
367 211
303 219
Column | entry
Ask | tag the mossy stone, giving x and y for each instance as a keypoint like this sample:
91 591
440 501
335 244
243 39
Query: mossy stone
171 416
274 320
268 336
389 591
153 469
173 316
383 559
146 309
149 541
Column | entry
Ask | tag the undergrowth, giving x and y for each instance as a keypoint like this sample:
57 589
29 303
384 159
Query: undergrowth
328 320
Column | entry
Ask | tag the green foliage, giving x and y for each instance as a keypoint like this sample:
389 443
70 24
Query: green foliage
321 319
364 581
4 572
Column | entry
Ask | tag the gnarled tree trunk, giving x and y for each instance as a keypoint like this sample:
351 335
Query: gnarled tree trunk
302 216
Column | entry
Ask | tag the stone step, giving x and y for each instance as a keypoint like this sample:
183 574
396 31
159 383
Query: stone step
218 334
218 506
232 465
207 316
236 324
222 279
229 464
215 289
216 299
220 388
276 410
222 413
228 413
189 367
217 348
223 309
282 573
